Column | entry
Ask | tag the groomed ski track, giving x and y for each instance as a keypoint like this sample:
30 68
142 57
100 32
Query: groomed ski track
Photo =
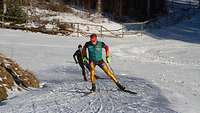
64 91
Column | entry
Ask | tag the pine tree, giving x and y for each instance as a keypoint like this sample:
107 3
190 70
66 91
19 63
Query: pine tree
12 10
4 9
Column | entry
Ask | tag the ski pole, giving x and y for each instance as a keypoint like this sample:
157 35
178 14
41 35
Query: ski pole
111 68
87 71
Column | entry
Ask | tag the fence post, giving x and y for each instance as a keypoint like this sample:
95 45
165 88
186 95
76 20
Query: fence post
26 20
122 31
78 31
2 21
142 29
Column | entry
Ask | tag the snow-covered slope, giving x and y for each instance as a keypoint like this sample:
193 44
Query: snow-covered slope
51 58
165 73
192 2
163 66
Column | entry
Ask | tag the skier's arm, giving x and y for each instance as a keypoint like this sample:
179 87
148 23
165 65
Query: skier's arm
107 52
84 53
106 49
74 56
84 50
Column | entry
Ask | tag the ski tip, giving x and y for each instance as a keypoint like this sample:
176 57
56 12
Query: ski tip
129 91
89 93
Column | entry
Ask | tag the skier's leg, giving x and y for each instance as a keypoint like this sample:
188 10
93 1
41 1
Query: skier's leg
109 73
92 77
83 72
88 67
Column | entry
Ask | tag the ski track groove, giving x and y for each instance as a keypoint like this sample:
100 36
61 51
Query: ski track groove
111 102
90 104
58 108
100 98
68 96
33 106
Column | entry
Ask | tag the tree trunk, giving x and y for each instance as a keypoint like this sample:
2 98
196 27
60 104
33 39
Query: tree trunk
148 8
120 9
4 9
99 6
199 4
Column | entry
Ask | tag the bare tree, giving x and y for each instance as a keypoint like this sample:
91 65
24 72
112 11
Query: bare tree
199 4
99 6
4 9
148 8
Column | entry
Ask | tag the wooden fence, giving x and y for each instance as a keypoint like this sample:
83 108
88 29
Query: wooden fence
82 29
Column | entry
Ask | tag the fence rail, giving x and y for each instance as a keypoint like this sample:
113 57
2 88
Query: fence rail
83 29
126 29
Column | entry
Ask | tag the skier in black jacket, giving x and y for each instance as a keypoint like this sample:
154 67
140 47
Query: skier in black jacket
78 59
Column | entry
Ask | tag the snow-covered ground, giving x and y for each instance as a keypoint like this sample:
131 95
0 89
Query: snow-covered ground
51 59
76 17
163 66
192 2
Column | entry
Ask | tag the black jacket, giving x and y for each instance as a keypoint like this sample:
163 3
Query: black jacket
78 56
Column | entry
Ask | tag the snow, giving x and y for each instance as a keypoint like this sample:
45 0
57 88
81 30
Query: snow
78 21
165 73
162 66
192 2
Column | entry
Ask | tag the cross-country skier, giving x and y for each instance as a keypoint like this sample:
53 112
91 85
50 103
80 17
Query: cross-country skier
95 58
78 58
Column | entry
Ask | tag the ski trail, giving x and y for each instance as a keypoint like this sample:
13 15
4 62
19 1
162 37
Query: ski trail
160 53
100 98
57 106
62 96
101 106
33 106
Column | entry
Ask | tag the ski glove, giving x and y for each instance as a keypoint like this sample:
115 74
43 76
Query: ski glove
107 59
85 60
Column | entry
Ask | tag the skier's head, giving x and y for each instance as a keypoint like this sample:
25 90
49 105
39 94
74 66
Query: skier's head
80 47
93 39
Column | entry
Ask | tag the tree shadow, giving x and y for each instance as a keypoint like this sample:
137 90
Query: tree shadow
64 73
73 91
2 103
149 95
187 31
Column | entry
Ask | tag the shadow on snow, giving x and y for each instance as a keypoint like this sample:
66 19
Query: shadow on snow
187 31
148 99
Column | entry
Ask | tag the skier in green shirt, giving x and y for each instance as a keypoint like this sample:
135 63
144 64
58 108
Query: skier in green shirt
94 48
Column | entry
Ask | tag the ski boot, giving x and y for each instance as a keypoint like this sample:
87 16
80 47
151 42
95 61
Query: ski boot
120 86
93 89
97 77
